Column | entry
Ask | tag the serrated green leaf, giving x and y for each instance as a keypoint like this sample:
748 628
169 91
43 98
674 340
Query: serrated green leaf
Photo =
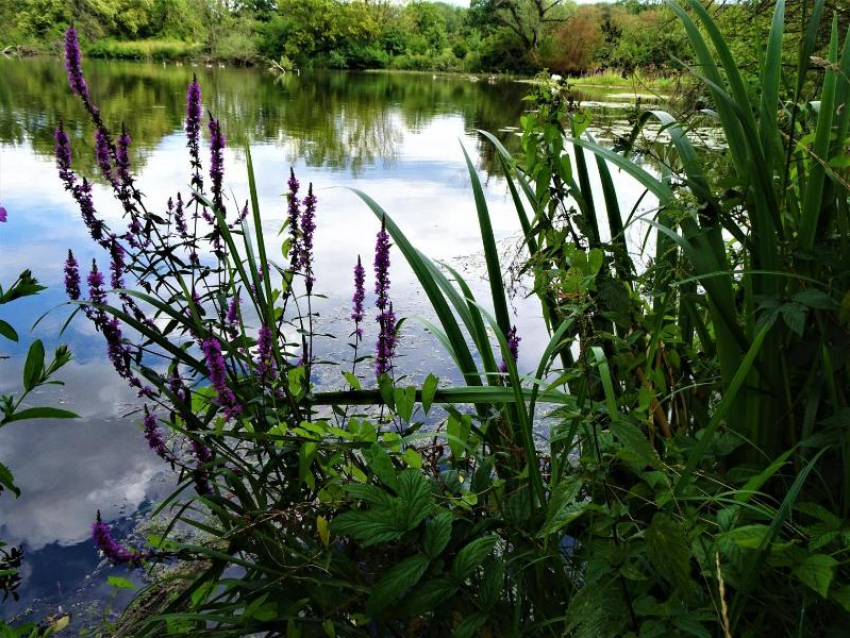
396 582
472 556
381 465
438 531
562 508
668 551
817 571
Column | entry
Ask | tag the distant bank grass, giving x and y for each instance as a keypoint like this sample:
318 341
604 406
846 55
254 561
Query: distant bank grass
612 78
144 49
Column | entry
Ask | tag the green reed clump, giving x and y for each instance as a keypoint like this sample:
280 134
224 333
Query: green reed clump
693 478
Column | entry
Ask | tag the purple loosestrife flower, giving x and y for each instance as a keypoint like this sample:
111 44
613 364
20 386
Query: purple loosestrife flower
513 346
386 317
308 227
154 436
266 367
294 215
118 353
110 548
218 377
95 281
74 64
63 156
232 316
122 157
72 277
117 266
103 155
357 312
386 341
216 162
3 214
180 218
193 129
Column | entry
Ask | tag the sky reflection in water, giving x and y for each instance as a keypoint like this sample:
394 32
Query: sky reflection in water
394 136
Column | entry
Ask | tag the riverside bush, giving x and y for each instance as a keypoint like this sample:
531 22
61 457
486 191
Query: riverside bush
692 480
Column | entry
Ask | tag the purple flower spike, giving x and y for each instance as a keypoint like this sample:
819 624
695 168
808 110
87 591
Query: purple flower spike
3 214
294 215
513 346
72 277
357 312
153 435
180 218
63 156
308 227
103 155
266 367
386 316
218 378
74 64
193 129
122 156
216 162
110 548
95 281
117 266
232 316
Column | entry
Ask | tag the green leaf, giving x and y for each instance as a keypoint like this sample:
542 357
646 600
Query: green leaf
457 430
667 549
116 582
40 413
7 481
470 625
472 556
438 531
382 465
405 400
492 583
747 536
429 596
429 389
817 571
353 381
7 331
562 509
417 501
34 365
396 582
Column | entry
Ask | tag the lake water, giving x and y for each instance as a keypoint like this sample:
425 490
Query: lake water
395 136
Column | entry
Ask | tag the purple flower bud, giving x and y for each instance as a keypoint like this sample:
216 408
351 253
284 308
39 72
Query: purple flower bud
117 266
294 215
308 227
513 347
386 317
232 316
74 64
3 214
180 218
95 281
110 548
357 312
193 129
154 436
72 277
103 155
218 378
122 157
266 366
382 267
216 162
63 156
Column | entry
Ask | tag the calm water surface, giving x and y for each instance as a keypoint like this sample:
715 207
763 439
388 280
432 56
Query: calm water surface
395 136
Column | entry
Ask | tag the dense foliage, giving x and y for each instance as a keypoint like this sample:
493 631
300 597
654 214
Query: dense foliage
690 477
491 35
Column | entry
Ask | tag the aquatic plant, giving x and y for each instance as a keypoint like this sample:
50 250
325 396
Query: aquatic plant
691 480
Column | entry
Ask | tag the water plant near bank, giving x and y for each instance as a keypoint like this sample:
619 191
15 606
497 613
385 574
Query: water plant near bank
691 476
